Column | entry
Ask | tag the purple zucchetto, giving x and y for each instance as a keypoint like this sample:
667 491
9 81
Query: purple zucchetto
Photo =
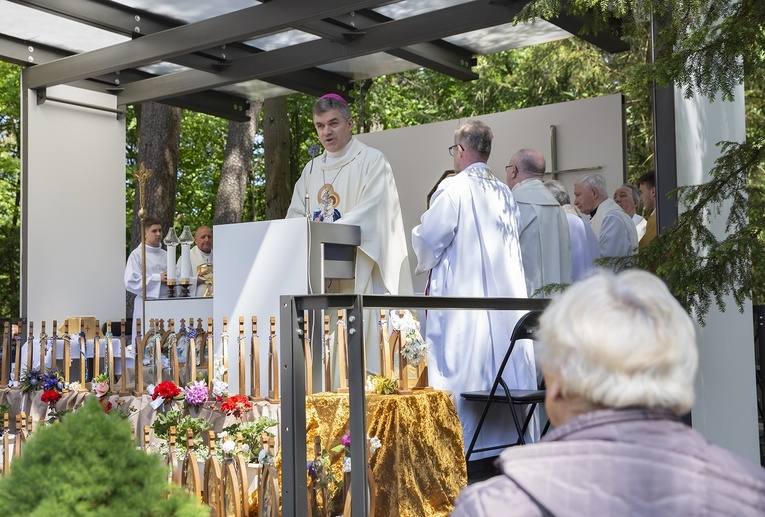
333 96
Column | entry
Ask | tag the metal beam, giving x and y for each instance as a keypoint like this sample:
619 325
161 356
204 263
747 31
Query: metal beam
247 23
605 39
379 38
214 103
439 55
122 19
442 57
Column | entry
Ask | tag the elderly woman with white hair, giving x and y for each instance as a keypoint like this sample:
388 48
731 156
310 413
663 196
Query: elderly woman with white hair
619 358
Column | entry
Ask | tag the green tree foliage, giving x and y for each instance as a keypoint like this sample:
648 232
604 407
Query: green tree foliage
200 159
88 465
10 137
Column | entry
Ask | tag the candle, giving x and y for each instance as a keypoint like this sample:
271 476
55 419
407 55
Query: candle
171 263
185 239
185 261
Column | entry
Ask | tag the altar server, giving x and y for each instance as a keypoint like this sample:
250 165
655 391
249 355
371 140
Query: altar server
352 183
156 270
469 241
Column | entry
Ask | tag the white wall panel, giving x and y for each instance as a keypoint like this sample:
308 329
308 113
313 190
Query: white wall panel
73 207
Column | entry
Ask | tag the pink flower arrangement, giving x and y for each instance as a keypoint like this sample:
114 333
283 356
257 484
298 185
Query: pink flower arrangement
196 394
101 388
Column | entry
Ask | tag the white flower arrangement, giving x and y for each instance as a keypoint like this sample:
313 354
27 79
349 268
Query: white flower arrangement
413 346
220 388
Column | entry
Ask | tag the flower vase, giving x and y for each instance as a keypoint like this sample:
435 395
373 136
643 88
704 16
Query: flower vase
254 471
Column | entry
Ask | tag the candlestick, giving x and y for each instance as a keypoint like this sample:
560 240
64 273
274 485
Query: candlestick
171 241
185 239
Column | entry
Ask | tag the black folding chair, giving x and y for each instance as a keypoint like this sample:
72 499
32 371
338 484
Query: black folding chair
524 329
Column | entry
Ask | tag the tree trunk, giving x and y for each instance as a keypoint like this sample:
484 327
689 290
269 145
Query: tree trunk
276 144
159 132
237 166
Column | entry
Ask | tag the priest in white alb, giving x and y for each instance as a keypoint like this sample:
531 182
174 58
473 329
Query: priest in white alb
469 241
201 253
352 183
545 239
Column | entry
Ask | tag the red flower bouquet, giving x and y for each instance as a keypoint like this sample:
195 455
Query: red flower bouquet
166 390
236 405
51 397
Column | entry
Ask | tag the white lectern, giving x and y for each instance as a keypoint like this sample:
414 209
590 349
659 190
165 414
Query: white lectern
256 263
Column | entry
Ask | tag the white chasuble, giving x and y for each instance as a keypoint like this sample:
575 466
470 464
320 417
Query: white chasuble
469 240
545 239
359 185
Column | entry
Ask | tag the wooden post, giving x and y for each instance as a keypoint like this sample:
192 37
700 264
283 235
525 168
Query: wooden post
53 348
342 351
191 351
224 348
67 352
123 358
97 352
17 362
174 363
307 356
42 344
386 368
30 349
326 346
109 364
139 355
158 328
255 362
210 354
5 374
273 365
242 355
82 344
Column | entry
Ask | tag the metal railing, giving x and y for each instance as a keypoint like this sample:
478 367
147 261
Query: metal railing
293 378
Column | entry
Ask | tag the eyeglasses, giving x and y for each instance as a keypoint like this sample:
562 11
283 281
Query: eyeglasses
507 168
451 149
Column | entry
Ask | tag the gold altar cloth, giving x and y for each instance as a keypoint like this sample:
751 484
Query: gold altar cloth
420 468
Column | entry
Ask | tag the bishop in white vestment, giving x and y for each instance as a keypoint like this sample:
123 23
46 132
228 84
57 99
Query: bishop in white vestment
352 183
469 241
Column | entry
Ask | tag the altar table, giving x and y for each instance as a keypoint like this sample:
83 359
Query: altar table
420 468
74 353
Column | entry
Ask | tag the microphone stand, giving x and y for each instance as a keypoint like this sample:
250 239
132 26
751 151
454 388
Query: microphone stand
313 151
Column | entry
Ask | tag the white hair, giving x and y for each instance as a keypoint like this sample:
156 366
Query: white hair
559 191
619 341
593 180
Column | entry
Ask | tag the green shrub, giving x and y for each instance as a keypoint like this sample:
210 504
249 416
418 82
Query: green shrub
88 465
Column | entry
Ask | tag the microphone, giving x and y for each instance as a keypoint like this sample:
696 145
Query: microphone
313 151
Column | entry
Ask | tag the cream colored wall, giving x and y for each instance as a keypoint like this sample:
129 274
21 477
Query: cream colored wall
73 208
590 133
